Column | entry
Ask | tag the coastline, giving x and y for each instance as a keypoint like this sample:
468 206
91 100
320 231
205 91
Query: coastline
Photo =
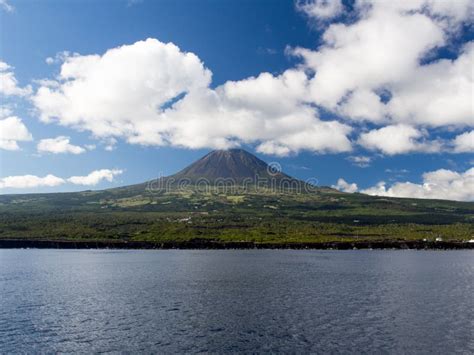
210 244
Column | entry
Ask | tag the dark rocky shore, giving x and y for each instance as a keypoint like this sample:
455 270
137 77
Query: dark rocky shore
210 244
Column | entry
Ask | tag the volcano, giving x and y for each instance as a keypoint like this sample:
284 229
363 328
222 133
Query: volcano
235 165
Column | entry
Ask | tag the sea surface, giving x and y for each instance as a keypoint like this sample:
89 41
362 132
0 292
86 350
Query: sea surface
171 301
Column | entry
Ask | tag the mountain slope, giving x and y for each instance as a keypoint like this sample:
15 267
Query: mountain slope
235 164
262 215
233 167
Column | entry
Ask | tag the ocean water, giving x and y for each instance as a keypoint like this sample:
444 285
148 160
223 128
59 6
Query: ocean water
171 301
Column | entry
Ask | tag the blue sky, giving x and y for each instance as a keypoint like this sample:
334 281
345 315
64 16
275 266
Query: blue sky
327 109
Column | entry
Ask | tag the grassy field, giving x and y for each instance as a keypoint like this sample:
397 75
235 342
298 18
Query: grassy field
263 216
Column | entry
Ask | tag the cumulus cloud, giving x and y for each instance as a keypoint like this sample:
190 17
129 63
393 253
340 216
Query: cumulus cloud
33 181
107 94
397 139
320 9
383 51
363 105
373 68
383 47
12 131
344 186
266 109
95 177
30 181
152 93
437 94
439 184
9 84
58 145
464 143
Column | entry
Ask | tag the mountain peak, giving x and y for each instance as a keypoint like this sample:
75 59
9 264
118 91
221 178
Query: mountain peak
236 164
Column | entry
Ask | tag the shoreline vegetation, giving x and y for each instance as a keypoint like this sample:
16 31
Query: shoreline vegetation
193 220
203 244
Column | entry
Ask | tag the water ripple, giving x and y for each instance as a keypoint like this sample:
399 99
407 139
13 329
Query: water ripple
236 301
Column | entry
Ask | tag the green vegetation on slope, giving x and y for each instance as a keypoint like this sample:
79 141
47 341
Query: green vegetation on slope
131 213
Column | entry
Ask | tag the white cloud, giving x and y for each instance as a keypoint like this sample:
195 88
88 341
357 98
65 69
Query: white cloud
266 109
397 139
458 10
382 51
383 47
438 94
5 111
360 161
368 68
320 9
5 5
273 148
344 186
46 83
109 144
439 184
108 94
363 105
58 145
30 181
320 137
33 181
12 131
151 93
464 143
95 177
60 57
9 83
